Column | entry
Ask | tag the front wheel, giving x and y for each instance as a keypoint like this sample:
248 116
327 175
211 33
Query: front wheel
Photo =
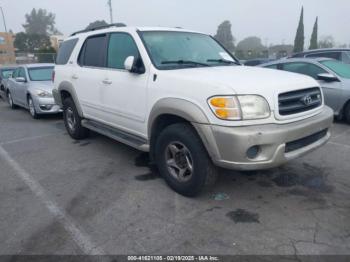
32 109
72 120
183 160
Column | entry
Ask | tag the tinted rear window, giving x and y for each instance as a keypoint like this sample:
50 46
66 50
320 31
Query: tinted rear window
65 51
94 52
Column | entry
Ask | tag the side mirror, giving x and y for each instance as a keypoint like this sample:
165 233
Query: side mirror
327 77
134 65
20 79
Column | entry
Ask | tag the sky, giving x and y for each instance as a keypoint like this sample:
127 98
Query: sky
274 21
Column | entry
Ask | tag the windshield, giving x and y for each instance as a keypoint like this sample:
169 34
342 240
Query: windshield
341 69
40 73
174 50
7 73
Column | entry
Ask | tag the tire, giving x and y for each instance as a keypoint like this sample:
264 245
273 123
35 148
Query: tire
347 113
72 120
179 148
32 110
10 100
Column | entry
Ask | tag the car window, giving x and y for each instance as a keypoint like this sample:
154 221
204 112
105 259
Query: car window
341 69
40 73
304 68
7 73
22 73
272 66
65 51
346 57
120 47
15 73
94 52
334 55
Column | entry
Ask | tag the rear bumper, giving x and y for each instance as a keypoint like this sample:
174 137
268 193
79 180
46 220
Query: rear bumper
228 146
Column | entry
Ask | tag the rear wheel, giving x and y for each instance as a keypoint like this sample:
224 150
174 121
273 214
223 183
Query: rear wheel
347 113
10 100
183 160
32 109
72 120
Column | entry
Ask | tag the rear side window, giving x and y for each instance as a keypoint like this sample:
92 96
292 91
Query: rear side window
94 52
65 51
120 47
333 55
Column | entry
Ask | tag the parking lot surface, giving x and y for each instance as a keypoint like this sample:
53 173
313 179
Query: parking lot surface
97 196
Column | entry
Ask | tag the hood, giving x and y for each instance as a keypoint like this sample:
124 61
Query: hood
42 85
246 80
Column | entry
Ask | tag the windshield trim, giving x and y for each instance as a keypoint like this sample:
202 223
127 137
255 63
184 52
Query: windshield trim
140 33
36 68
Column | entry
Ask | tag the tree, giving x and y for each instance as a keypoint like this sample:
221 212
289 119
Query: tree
31 42
225 37
314 36
300 38
251 47
97 23
326 42
40 22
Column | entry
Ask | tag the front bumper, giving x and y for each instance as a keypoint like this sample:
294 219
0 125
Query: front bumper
228 146
46 105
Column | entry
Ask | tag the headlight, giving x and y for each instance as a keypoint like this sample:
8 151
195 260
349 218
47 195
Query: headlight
242 107
42 93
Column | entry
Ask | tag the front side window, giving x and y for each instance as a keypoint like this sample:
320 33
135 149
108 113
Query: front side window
341 69
40 73
304 68
174 50
15 73
120 47
22 73
94 52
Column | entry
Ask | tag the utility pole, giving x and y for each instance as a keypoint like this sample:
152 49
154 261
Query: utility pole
110 10
3 18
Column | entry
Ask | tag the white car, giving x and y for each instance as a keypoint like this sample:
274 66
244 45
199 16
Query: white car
182 97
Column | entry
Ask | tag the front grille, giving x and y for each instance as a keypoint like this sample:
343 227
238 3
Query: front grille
299 101
306 141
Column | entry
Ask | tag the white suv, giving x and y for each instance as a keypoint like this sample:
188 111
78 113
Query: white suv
185 99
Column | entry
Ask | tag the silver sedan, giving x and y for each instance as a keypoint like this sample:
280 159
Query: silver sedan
333 76
31 87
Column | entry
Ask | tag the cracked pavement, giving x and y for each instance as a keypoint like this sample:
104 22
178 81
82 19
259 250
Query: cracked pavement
121 207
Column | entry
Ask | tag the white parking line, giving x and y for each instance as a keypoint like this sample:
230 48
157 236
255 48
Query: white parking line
79 237
27 139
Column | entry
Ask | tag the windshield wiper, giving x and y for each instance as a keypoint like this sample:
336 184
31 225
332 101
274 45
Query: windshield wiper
223 61
184 62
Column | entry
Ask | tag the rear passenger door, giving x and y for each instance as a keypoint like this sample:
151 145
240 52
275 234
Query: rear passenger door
20 88
123 95
89 76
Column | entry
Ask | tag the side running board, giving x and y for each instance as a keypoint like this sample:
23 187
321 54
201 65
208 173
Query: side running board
117 134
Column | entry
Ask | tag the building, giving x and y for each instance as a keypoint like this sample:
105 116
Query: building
56 41
7 49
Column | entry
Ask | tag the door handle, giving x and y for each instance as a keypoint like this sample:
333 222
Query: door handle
75 77
107 82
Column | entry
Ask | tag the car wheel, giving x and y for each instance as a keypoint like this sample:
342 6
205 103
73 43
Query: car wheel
32 109
183 160
72 120
10 100
347 113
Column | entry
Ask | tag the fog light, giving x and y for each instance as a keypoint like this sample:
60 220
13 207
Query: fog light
253 152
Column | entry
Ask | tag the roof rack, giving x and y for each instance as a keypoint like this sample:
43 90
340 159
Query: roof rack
99 28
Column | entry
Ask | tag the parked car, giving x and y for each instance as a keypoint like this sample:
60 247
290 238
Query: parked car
332 75
5 74
31 87
185 99
258 61
341 54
